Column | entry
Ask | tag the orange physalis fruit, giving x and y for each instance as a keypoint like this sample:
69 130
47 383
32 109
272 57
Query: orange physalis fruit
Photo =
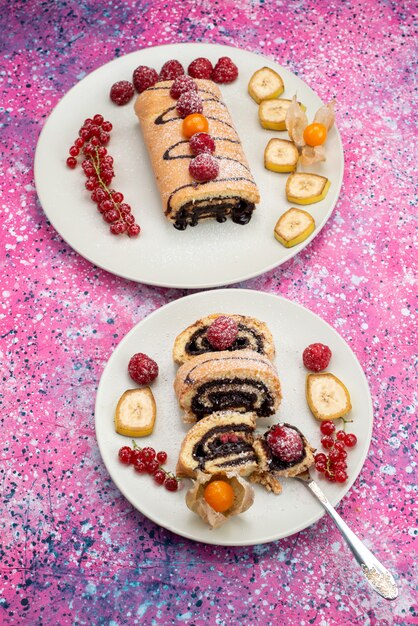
194 123
315 134
219 495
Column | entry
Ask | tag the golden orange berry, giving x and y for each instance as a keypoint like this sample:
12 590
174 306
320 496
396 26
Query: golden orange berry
219 495
315 134
195 123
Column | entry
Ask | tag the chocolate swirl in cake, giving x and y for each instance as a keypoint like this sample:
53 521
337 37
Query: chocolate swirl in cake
220 442
242 381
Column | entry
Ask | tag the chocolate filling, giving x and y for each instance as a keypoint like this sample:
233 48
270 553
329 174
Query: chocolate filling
219 208
246 338
223 397
275 463
211 446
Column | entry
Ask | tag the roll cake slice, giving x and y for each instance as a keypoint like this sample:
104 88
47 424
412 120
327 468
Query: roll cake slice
219 443
252 335
283 450
242 381
233 193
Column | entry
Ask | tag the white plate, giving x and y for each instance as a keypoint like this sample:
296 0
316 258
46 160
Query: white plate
293 327
162 255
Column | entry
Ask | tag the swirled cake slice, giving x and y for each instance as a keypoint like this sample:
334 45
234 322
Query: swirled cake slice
242 381
221 442
252 335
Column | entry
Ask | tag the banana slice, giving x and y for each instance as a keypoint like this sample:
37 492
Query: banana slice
304 188
327 396
265 84
272 113
293 227
135 413
281 155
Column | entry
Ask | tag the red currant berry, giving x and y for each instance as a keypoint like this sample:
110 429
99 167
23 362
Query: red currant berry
88 121
118 228
136 455
340 436
79 143
159 477
222 333
327 442
320 457
340 476
91 183
204 167
142 369
201 142
171 484
74 151
98 119
327 427
148 454
225 71
121 92
129 219
340 465
125 208
111 216
104 138
125 455
200 68
339 445
140 467
144 77
320 467
117 196
134 230
350 440
162 457
182 84
334 454
84 134
107 126
170 70
330 477
152 466
316 357
71 162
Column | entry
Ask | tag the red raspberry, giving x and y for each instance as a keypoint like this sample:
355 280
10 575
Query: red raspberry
188 103
225 71
200 68
121 92
182 84
222 333
201 142
316 357
144 77
285 443
171 69
142 369
203 167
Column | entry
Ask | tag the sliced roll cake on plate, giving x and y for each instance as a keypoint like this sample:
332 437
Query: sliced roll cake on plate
252 335
217 381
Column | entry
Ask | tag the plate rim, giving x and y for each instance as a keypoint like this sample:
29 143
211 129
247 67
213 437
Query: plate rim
177 284
302 526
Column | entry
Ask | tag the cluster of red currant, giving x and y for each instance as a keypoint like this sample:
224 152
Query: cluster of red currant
334 466
97 165
147 461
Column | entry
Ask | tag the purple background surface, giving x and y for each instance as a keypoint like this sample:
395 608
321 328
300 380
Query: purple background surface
73 550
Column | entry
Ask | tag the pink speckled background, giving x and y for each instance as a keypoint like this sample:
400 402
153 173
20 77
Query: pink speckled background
73 550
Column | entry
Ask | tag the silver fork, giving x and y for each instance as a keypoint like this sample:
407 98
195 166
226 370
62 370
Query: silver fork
378 577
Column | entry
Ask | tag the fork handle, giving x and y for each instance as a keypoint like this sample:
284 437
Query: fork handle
378 577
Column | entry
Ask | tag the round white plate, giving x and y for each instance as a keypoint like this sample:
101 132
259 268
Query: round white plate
271 517
208 255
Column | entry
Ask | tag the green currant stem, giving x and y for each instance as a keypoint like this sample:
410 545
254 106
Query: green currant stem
96 165
345 421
